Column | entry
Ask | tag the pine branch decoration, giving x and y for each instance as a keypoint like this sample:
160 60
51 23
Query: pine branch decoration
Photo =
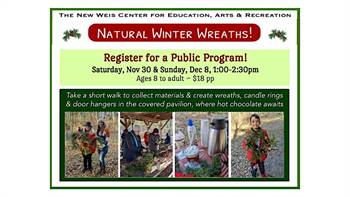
264 148
71 33
279 34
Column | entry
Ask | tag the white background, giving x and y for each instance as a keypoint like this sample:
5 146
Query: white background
60 24
24 75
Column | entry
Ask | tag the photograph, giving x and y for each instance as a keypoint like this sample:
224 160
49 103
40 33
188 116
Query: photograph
257 144
201 144
146 144
91 145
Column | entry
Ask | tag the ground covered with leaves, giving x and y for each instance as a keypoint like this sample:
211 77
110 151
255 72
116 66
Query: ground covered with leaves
74 161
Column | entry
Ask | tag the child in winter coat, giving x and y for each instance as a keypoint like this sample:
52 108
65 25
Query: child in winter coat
257 144
87 142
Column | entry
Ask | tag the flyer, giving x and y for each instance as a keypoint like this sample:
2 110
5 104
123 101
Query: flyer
174 98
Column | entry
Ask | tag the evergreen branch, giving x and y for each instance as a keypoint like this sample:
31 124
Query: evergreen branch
279 34
71 33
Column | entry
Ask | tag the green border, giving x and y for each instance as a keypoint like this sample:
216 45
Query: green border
187 9
286 166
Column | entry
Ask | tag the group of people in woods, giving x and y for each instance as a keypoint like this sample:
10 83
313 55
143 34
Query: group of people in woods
132 146
89 141
257 144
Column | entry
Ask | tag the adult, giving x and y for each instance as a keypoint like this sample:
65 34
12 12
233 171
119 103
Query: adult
130 146
103 135
167 139
154 142
137 130
146 138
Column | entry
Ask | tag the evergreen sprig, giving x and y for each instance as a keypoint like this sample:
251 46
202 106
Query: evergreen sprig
266 145
71 33
279 34
206 170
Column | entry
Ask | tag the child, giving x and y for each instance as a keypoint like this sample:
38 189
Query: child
87 141
257 144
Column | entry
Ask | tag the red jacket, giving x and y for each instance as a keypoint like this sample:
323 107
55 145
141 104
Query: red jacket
146 138
250 153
